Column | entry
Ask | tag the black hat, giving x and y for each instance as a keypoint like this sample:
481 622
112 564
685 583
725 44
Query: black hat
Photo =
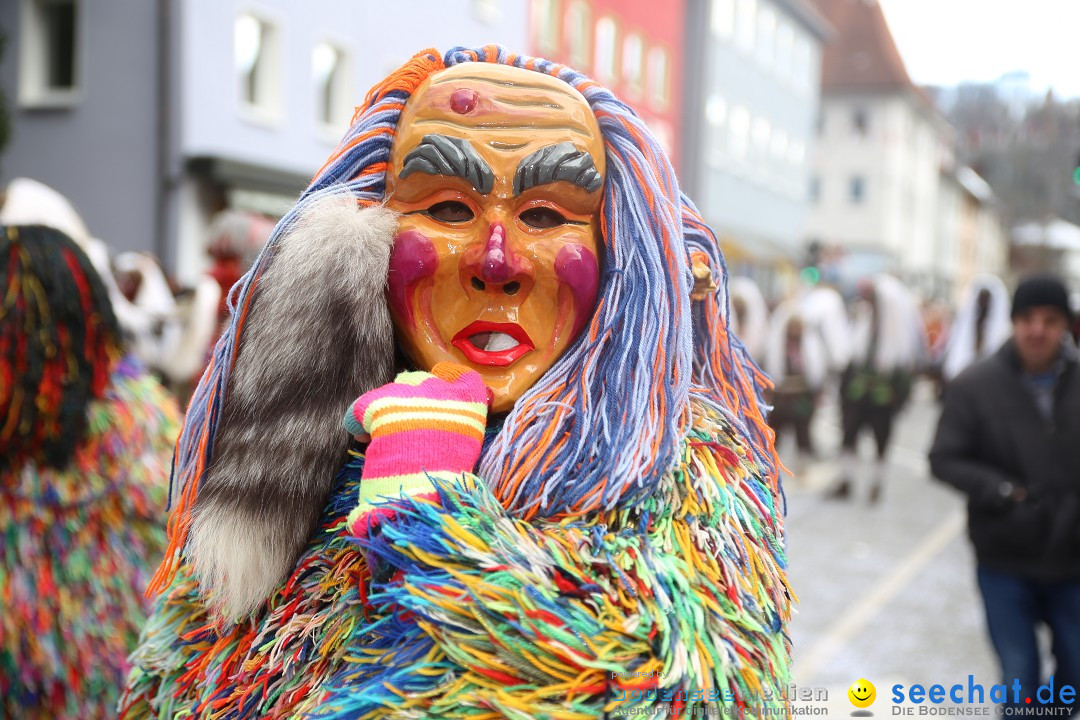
1044 291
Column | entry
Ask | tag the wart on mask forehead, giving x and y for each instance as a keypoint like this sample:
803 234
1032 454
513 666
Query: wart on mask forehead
479 103
499 82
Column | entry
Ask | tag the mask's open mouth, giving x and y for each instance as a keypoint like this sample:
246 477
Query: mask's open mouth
494 344
493 341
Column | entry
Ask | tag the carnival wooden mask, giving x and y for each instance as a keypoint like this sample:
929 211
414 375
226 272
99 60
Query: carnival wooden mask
498 173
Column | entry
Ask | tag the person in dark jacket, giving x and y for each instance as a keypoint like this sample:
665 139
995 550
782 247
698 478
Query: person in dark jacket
1009 438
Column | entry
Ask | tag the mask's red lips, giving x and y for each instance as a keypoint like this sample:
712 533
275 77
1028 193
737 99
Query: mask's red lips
492 343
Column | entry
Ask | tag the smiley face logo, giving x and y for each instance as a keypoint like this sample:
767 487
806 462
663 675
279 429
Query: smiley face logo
862 693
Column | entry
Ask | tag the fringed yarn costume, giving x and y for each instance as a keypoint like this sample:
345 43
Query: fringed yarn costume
473 613
83 480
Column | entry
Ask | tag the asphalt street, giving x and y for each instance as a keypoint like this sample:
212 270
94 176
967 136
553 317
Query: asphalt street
886 592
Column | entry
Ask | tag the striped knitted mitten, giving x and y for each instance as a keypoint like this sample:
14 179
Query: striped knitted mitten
422 426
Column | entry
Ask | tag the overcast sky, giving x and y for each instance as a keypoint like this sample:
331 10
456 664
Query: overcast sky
945 42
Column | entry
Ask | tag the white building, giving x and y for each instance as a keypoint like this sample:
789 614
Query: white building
972 239
886 188
882 151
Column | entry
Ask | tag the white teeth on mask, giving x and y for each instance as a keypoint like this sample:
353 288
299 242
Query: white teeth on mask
500 341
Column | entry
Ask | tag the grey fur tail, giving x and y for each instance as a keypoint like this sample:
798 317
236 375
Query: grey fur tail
317 335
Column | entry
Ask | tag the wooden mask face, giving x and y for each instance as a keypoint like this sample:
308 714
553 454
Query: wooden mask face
498 173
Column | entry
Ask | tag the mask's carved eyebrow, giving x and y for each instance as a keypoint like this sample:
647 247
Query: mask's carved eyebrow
562 161
447 155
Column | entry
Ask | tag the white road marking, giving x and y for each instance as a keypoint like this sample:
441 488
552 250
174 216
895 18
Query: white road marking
853 620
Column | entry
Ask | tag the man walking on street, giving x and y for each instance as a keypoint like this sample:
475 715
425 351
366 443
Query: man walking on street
1009 437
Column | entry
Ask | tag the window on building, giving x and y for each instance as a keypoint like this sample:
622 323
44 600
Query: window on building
659 90
256 57
722 18
746 24
545 21
800 61
796 155
785 49
812 76
633 62
579 34
716 113
857 189
50 65
605 61
766 36
328 70
739 133
860 121
814 191
761 134
778 161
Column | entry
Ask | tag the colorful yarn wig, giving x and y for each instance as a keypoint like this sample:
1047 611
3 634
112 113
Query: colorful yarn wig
58 341
606 422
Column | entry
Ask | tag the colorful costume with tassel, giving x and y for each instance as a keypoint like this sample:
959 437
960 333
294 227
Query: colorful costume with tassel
85 443
608 536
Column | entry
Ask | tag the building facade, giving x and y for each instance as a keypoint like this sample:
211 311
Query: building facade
886 188
875 183
971 238
86 107
749 128
632 47
154 116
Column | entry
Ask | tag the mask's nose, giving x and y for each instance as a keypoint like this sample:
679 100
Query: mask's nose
496 267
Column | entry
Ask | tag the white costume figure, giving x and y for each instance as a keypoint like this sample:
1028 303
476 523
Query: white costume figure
823 309
889 344
749 313
981 326
798 363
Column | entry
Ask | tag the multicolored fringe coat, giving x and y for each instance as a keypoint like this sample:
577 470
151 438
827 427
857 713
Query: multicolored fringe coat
77 548
455 609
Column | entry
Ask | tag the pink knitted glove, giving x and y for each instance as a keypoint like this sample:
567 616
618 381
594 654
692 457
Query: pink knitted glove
422 425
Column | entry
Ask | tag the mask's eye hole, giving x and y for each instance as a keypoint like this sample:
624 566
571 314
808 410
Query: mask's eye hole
451 211
542 218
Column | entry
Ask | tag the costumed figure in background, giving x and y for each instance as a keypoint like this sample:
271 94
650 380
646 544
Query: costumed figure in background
797 361
234 240
981 327
936 317
749 315
189 323
567 502
888 342
29 202
824 313
182 325
85 441
159 329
